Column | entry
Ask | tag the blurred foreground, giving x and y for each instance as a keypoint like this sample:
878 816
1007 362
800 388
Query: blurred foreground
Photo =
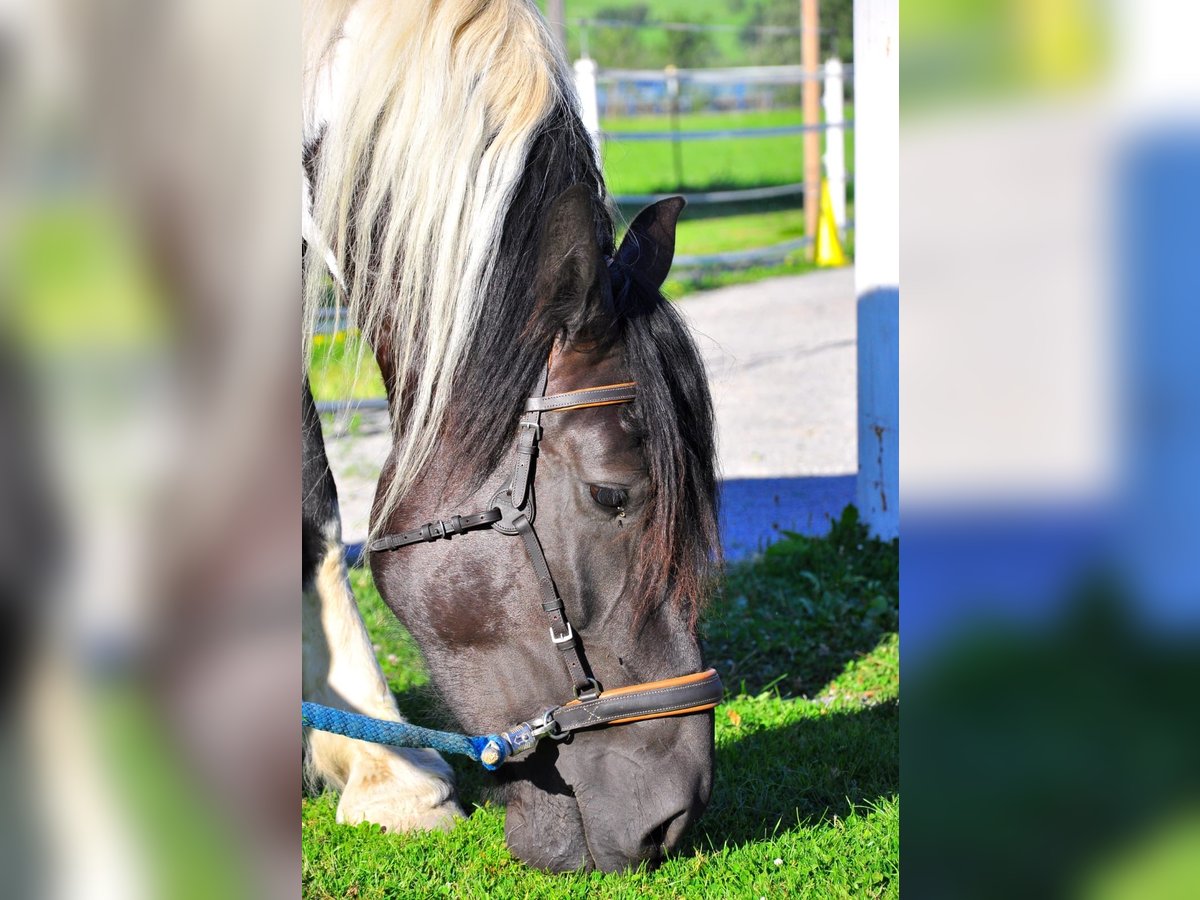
1050 407
149 307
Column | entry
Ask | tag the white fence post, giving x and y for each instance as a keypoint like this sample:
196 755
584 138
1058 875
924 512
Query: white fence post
589 102
877 260
834 101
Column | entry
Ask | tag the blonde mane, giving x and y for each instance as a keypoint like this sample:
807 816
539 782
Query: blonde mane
425 113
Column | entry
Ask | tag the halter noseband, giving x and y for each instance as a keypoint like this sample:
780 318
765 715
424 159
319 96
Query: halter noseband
511 513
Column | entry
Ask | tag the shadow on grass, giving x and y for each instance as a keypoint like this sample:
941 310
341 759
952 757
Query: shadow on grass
803 773
797 616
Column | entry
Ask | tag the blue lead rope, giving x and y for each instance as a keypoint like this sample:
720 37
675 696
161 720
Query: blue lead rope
402 734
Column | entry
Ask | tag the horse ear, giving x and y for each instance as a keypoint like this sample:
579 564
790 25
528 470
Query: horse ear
570 265
649 245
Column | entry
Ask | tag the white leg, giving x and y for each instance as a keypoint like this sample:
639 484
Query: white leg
399 789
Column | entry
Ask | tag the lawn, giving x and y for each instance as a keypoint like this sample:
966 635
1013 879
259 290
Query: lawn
339 371
647 167
806 802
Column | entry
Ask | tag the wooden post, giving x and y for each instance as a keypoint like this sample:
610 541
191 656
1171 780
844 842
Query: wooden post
877 260
810 48
556 15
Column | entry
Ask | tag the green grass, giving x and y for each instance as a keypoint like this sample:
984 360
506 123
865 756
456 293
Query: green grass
710 279
806 802
338 371
647 167
741 232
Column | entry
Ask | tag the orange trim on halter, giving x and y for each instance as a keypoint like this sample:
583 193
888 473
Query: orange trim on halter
599 387
678 681
665 715
585 406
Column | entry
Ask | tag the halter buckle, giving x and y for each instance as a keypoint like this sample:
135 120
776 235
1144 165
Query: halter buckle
537 428
562 638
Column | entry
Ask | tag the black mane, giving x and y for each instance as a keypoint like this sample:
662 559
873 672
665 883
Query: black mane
673 414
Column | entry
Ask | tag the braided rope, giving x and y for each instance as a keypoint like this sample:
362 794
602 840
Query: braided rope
396 734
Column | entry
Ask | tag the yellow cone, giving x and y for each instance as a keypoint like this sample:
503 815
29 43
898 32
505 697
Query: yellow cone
829 246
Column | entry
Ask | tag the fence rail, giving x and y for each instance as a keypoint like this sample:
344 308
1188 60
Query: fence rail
737 195
833 75
740 75
721 133
736 259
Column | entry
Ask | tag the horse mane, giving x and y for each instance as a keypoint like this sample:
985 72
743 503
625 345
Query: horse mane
421 156
431 194
680 547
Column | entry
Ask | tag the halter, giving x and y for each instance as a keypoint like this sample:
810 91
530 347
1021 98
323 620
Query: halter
512 512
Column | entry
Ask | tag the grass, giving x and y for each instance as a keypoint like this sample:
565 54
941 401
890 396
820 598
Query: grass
647 167
709 279
806 802
338 371
747 231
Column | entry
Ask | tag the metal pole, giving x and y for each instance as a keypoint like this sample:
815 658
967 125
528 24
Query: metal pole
676 146
877 260
556 15
589 103
810 49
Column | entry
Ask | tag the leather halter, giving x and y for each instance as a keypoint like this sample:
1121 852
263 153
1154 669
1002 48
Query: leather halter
512 513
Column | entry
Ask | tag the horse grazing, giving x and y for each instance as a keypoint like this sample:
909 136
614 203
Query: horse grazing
456 199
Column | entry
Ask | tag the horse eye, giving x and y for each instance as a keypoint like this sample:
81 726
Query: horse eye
611 497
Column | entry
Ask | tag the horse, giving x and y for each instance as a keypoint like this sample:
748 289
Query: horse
455 200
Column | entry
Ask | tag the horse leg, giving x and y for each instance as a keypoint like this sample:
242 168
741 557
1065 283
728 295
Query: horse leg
399 789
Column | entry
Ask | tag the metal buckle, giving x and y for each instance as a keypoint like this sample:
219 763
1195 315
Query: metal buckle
563 638
537 428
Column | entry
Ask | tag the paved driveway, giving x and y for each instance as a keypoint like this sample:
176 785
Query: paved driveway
781 361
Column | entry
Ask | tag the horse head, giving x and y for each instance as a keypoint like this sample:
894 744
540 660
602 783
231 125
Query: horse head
622 498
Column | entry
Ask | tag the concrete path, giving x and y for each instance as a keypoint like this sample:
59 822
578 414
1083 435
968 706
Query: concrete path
781 361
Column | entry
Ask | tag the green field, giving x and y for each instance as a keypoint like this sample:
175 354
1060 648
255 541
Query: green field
338 370
806 801
647 167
